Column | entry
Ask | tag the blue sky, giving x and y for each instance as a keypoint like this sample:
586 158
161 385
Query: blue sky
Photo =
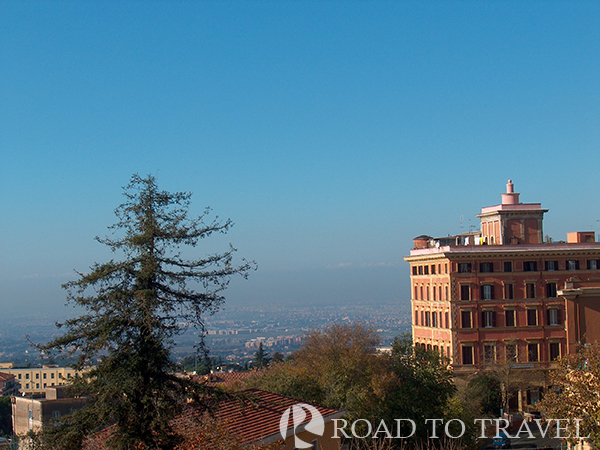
332 133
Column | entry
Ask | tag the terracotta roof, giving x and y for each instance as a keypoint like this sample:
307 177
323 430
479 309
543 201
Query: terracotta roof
251 419
6 376
258 417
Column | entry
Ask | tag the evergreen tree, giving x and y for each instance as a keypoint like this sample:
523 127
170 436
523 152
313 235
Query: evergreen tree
5 416
134 309
261 357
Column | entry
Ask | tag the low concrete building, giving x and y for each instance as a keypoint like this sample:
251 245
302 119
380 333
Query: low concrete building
31 414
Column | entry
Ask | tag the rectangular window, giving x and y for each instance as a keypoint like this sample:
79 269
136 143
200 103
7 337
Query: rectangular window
446 317
509 291
446 268
487 292
486 267
465 317
426 270
489 354
551 266
464 267
434 290
414 270
509 314
416 293
420 270
488 319
27 376
433 269
532 317
440 291
530 290
533 396
465 292
530 266
467 355
447 296
52 375
37 385
511 353
554 316
434 318
44 376
416 317
508 266
551 290
593 264
554 350
37 376
427 319
573 264
532 353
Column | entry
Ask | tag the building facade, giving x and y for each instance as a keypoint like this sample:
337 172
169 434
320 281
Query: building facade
502 299
8 384
33 414
35 380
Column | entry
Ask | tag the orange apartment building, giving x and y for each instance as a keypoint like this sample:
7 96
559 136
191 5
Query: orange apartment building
503 299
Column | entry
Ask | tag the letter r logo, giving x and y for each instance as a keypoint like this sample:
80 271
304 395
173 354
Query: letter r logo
316 424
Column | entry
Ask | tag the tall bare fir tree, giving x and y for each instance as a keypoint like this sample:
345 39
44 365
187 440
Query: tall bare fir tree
134 309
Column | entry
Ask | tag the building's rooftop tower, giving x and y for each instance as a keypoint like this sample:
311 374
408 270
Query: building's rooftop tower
512 222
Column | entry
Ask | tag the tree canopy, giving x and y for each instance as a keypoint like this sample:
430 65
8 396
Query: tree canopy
134 308
339 367
261 357
576 393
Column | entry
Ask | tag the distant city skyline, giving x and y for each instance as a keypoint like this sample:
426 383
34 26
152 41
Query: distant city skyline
331 133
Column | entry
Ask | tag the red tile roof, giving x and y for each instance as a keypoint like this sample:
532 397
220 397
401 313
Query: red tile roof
6 376
258 417
250 419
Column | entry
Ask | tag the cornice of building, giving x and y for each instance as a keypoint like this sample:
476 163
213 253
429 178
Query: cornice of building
498 250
